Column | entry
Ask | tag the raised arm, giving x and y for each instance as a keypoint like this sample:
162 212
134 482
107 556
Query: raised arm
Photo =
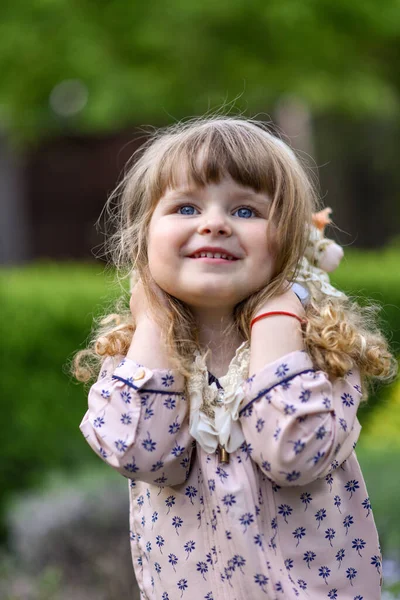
138 416
298 425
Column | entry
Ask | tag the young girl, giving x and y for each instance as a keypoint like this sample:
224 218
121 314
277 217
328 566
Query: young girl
228 400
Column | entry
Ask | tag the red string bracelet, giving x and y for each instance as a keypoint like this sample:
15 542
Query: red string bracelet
277 312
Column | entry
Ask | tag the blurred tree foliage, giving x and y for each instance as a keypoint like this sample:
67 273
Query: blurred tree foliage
141 61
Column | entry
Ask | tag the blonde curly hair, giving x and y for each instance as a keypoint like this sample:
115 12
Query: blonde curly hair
339 335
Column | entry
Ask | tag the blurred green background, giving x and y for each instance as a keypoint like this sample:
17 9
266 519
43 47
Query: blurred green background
80 82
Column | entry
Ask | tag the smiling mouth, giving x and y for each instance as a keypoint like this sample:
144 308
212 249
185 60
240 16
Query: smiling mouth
213 256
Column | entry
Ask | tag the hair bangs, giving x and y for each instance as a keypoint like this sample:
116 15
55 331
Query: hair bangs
213 151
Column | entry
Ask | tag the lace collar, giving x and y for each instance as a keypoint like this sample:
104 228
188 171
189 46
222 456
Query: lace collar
214 413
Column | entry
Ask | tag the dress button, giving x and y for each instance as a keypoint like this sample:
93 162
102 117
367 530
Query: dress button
139 375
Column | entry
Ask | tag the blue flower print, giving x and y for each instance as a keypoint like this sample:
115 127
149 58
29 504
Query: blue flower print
246 520
305 396
306 498
340 554
209 596
143 399
189 547
279 587
157 466
281 370
211 485
320 515
351 486
298 446
228 500
321 433
126 397
367 505
327 403
358 544
358 597
343 424
177 450
258 540
120 446
170 501
98 422
173 560
191 492
174 427
148 413
347 400
103 374
157 567
329 481
239 562
154 517
293 476
170 403
126 419
337 501
160 542
131 467
260 424
289 563
106 394
347 522
222 474
351 574
102 452
177 522
167 380
148 547
285 510
298 534
161 480
202 568
265 465
247 449
289 409
143 521
358 388
277 433
317 457
261 580
165 596
185 462
330 534
247 411
308 557
324 572
228 534
148 444
182 585
332 594
302 584
376 562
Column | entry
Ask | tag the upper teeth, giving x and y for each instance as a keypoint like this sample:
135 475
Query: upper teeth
212 255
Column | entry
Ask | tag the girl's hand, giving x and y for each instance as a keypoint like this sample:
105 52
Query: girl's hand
139 304
288 301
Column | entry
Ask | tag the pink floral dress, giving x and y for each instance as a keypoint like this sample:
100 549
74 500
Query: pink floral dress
289 515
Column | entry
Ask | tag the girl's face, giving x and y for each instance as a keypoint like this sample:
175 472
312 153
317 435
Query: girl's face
209 246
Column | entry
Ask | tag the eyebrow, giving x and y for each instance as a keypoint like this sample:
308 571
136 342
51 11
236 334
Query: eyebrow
233 196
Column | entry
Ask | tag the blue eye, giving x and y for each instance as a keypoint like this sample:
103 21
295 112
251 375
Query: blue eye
244 213
187 209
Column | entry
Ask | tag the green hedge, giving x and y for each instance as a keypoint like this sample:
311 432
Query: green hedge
47 313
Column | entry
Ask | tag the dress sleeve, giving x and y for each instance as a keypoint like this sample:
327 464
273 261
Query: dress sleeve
299 426
137 422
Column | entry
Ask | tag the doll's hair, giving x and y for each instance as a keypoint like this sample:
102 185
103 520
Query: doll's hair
339 333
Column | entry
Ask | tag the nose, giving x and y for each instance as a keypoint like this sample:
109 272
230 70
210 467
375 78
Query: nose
215 223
